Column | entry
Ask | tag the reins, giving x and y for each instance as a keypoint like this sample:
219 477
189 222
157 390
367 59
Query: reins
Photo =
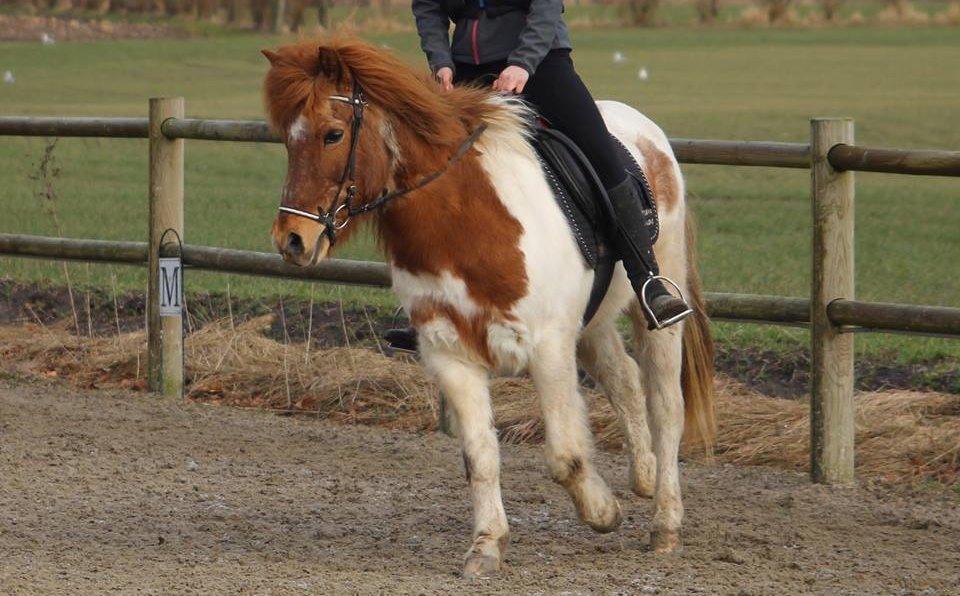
329 218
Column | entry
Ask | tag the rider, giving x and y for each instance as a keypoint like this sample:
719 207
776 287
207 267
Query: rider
523 47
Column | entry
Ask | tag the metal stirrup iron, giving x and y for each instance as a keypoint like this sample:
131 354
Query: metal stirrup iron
657 323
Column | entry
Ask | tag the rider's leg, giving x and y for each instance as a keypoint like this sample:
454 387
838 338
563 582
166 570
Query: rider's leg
559 93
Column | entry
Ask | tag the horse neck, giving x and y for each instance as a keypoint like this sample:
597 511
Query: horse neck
413 223
456 225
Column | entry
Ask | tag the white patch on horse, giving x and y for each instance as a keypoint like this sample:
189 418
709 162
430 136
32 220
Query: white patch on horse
441 289
510 346
440 334
298 130
558 281
393 146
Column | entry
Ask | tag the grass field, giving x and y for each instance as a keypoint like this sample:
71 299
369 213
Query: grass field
901 86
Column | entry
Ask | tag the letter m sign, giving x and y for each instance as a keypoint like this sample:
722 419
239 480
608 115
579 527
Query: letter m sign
171 287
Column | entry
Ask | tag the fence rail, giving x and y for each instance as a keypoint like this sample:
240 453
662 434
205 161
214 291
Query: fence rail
691 151
757 308
831 312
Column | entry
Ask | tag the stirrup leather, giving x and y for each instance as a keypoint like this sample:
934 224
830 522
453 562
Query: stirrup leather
658 324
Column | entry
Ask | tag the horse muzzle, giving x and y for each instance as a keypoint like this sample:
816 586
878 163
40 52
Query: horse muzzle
300 243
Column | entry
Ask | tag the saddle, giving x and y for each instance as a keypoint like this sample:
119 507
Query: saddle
583 201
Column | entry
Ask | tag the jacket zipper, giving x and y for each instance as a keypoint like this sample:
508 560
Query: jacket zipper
473 41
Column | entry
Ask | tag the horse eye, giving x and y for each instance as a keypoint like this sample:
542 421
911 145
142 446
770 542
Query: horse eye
332 137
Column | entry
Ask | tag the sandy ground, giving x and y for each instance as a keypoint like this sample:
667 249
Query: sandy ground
128 493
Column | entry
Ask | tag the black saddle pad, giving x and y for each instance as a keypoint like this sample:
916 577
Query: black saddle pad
577 191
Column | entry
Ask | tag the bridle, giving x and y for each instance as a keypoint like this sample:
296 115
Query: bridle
346 210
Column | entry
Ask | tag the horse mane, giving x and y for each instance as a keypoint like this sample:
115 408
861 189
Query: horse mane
299 72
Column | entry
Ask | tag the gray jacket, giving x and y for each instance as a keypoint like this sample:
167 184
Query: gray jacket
522 38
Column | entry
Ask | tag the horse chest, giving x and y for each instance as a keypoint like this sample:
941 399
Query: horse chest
450 322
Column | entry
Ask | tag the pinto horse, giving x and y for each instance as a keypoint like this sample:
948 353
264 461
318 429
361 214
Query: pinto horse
486 266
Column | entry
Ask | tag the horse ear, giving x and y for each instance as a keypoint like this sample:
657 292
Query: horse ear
330 65
273 57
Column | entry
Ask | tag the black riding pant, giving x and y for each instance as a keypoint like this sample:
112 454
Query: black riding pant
560 96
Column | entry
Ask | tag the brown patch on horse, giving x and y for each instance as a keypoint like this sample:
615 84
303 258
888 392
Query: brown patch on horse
457 223
471 330
467 466
302 73
572 473
658 167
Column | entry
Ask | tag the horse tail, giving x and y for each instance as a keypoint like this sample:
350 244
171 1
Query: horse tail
696 373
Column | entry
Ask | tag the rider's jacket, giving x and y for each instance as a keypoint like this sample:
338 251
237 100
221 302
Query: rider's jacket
518 31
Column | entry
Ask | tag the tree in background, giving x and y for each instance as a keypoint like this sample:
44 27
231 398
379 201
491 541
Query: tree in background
830 8
640 13
709 10
777 9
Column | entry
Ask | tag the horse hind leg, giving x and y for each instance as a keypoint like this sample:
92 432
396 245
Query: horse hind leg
466 389
568 441
603 356
660 356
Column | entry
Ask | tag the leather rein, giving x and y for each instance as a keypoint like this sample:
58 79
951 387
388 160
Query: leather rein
346 210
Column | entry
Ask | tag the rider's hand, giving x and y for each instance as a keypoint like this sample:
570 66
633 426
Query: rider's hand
511 80
445 78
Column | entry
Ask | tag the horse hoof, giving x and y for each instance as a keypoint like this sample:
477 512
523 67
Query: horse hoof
607 520
480 566
665 541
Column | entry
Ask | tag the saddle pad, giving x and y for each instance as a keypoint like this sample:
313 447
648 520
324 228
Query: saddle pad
580 196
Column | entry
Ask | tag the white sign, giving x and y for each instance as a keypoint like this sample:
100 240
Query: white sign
171 287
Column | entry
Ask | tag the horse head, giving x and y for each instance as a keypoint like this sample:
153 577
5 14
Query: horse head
336 157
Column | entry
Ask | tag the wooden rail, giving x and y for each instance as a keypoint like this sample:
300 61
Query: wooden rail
831 312
750 308
691 151
32 126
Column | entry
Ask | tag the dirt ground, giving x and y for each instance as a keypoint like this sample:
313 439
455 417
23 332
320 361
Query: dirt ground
130 493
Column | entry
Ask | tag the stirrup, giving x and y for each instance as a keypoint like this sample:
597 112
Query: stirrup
651 317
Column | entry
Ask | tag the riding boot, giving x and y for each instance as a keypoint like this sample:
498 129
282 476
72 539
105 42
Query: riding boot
634 243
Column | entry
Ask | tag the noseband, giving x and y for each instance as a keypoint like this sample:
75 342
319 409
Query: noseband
346 209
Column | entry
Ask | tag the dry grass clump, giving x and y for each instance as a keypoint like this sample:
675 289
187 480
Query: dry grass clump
243 367
902 436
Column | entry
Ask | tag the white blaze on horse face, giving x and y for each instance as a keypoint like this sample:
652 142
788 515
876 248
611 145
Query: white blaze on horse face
298 130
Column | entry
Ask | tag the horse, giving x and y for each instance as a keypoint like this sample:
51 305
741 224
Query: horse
486 267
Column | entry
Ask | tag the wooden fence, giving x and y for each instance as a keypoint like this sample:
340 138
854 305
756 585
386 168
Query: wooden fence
831 311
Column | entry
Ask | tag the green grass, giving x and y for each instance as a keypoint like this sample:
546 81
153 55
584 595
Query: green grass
900 85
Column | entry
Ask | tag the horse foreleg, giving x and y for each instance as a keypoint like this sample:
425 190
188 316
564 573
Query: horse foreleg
466 389
660 354
602 354
569 445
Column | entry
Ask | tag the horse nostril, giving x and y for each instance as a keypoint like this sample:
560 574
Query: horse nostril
294 244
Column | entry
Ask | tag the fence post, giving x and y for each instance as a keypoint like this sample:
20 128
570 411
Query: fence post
831 399
164 334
